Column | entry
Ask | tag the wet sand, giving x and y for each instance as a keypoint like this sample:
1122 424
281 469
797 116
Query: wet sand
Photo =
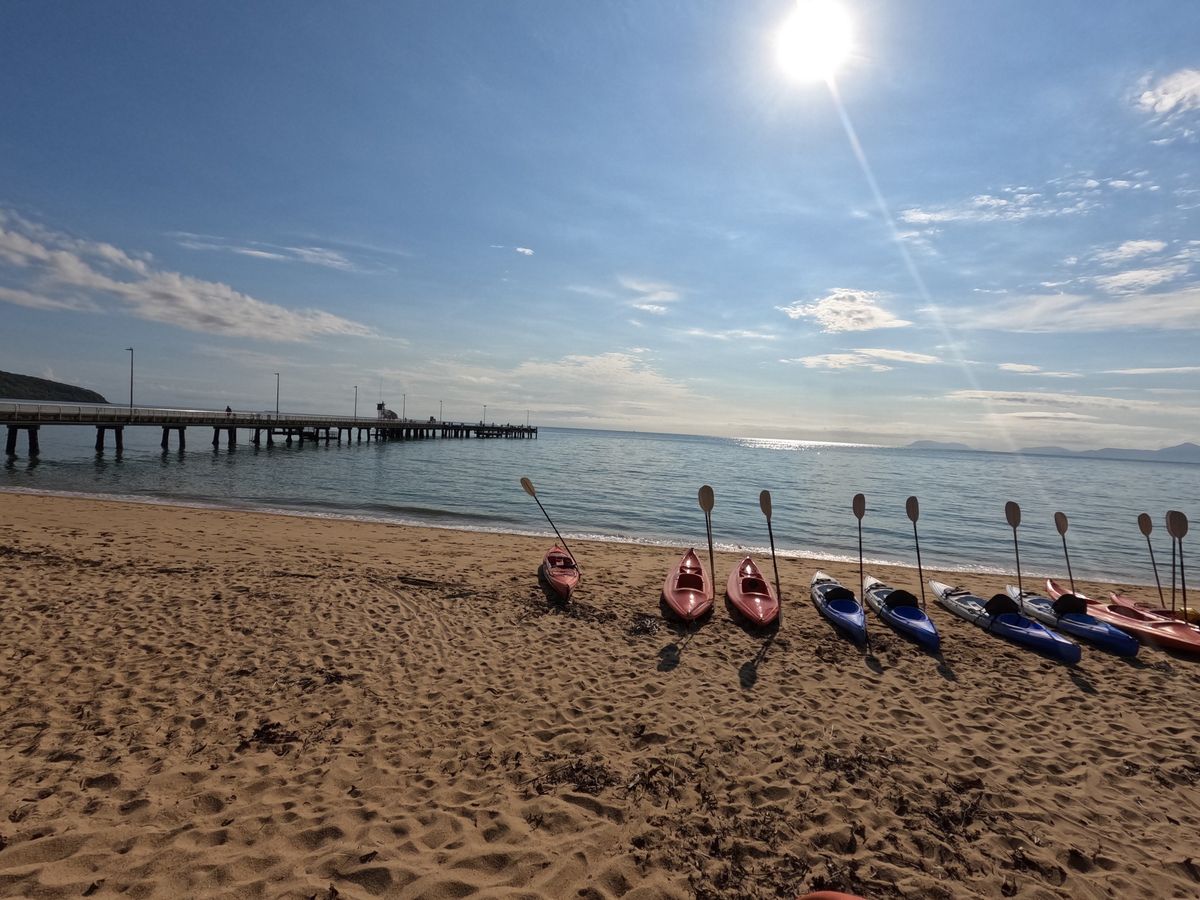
224 704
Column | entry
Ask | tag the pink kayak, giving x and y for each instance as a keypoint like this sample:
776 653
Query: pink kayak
1143 625
752 595
1184 614
688 589
560 572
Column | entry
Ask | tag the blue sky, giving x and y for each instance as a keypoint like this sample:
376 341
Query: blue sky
614 214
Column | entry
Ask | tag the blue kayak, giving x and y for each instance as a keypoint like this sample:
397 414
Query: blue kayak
999 616
1071 619
899 610
837 604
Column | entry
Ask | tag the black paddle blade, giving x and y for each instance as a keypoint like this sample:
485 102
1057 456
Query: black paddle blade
860 506
764 503
913 508
1060 522
1145 524
528 486
707 500
1012 512
1177 524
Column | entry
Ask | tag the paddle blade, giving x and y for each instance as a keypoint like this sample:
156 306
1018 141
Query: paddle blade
913 508
1060 522
764 503
1146 524
1012 512
706 498
1177 524
860 506
528 485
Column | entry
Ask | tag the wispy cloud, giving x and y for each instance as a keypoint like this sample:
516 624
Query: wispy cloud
735 334
1047 399
1073 313
845 309
308 254
874 360
57 271
1129 250
1171 102
649 296
1027 369
1133 280
524 251
1164 370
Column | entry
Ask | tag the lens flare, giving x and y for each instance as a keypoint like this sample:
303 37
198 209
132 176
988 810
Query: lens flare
814 40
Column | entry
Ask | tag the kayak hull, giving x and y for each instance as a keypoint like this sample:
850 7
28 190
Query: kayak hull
560 572
908 621
688 589
752 595
1014 627
838 605
1078 625
1147 627
1188 614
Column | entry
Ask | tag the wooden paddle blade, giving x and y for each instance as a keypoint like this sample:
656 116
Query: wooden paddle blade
764 502
1060 522
913 508
1177 524
860 506
1145 523
706 498
1012 512
528 485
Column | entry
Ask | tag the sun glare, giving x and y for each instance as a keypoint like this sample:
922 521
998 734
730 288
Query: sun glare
814 40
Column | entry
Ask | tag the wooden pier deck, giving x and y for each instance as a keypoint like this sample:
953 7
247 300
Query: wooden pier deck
261 427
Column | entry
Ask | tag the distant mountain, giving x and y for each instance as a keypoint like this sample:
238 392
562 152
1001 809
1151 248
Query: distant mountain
26 387
1186 452
935 445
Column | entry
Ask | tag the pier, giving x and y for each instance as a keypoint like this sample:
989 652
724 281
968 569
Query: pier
258 427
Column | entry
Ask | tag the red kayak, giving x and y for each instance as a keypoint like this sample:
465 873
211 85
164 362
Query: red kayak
560 572
1184 614
1143 625
688 590
752 595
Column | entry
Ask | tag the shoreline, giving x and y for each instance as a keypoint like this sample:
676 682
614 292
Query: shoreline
1037 576
213 703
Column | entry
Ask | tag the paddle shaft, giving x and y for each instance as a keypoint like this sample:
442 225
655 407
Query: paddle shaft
712 566
1066 556
1173 576
920 571
1182 582
556 534
775 566
1017 548
1154 566
861 577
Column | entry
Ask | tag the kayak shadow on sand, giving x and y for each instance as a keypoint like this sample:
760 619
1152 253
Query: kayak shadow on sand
1080 681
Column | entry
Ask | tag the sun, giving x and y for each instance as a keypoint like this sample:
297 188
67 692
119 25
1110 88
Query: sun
814 40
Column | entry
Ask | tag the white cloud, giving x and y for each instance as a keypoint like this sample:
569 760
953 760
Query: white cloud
649 291
1015 207
845 309
1167 370
310 255
1138 279
1176 93
654 308
735 334
524 251
1073 313
1129 250
1026 369
61 272
1040 398
873 360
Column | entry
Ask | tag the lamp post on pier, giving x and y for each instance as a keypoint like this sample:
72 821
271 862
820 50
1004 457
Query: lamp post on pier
130 349
404 407
277 393
484 419
355 401
439 410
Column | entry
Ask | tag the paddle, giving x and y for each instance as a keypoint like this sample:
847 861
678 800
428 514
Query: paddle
764 503
1177 527
859 505
1012 512
528 485
1146 526
1060 522
913 508
707 500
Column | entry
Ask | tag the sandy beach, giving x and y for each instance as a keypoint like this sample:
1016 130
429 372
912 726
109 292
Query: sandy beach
206 703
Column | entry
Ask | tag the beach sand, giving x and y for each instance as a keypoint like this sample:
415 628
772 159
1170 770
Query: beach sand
204 703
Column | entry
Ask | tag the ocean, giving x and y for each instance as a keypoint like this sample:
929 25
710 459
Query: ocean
641 488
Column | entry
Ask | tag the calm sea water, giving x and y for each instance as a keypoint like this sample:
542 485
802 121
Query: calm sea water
637 487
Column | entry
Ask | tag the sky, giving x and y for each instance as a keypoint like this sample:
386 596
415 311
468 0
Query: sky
984 228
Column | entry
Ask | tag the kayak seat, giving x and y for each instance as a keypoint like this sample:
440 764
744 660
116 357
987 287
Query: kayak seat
689 582
899 598
839 593
1069 603
1001 603
754 586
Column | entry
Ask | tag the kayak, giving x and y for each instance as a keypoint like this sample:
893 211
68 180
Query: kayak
899 610
999 616
688 590
839 606
560 572
752 595
1187 614
1072 618
1143 625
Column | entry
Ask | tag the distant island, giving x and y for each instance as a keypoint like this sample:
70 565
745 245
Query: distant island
1186 452
26 387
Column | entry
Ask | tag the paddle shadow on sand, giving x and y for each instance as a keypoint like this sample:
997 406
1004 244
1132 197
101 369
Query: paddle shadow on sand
671 655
